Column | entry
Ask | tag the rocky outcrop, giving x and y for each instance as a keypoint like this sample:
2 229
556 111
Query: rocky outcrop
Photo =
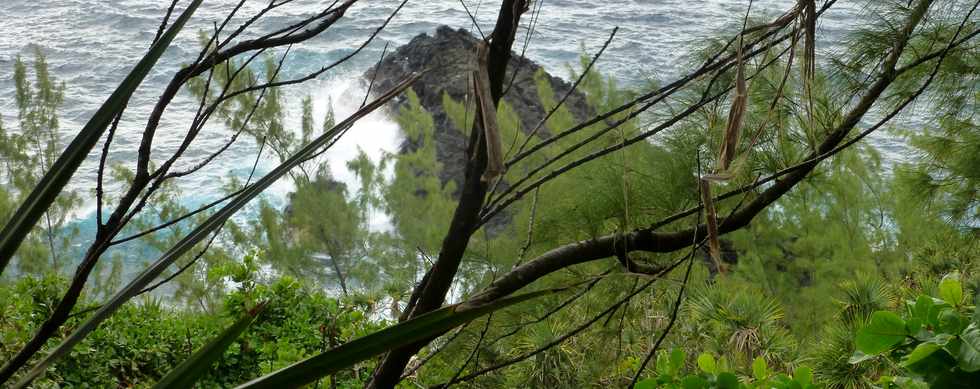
450 56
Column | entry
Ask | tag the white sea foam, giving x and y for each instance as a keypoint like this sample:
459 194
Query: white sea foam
92 44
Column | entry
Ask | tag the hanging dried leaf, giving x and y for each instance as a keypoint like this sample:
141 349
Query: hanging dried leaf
488 116
736 114
809 39
714 246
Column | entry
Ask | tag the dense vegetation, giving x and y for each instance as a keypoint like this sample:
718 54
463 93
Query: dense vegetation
864 274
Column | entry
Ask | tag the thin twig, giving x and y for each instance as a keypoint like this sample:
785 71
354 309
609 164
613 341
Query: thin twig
680 293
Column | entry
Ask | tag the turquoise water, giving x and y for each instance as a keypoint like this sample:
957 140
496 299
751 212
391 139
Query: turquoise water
92 44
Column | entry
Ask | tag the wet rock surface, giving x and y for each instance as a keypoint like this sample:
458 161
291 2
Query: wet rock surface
450 56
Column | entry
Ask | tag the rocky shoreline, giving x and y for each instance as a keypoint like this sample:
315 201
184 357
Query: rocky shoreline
450 55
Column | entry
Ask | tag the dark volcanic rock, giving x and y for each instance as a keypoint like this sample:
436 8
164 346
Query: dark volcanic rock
451 56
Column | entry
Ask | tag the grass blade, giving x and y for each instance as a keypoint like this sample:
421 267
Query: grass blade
193 368
203 230
423 327
55 179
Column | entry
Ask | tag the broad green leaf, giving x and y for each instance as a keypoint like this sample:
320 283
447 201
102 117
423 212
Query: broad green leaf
914 326
949 321
676 361
922 351
193 368
649 383
927 308
760 370
423 327
693 382
777 381
803 376
727 381
707 363
950 289
47 189
202 231
884 330
921 307
939 339
969 355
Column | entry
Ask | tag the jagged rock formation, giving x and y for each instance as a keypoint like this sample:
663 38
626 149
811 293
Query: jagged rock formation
451 56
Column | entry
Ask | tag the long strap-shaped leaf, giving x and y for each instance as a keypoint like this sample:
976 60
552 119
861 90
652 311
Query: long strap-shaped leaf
204 230
47 190
193 368
488 114
423 327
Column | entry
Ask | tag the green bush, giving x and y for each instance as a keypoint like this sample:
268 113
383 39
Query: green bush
717 373
145 340
934 342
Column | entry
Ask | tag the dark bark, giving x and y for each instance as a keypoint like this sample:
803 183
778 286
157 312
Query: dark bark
146 183
650 240
467 215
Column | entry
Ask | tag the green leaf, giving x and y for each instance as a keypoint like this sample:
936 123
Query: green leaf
694 382
884 330
920 309
727 381
976 312
723 364
939 339
47 189
649 383
969 353
914 327
202 231
950 289
193 368
803 376
707 363
676 361
760 370
949 321
402 334
663 366
922 351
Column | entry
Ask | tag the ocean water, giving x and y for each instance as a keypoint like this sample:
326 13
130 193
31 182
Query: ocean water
92 44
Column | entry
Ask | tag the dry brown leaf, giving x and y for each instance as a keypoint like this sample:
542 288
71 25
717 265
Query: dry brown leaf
488 115
810 38
714 246
736 114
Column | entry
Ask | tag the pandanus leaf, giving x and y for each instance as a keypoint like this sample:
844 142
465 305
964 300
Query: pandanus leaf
195 367
424 327
46 192
202 231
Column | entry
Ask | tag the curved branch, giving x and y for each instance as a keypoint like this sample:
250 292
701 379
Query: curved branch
650 240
